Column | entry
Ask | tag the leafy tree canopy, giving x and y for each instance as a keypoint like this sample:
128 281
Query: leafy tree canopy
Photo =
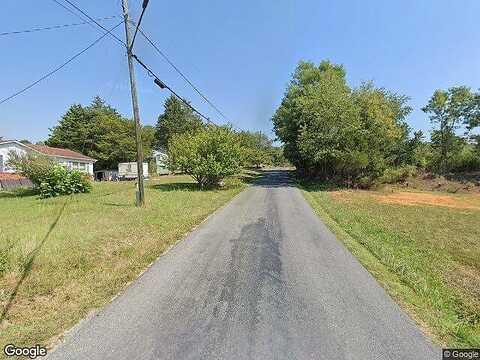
177 118
208 155
258 148
99 131
331 130
448 111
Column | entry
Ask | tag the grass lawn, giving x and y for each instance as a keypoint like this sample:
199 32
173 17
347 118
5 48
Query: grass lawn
60 258
423 247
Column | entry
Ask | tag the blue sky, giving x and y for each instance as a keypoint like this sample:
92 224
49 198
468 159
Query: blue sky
240 53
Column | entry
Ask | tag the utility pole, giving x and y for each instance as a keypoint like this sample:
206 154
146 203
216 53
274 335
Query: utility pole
140 196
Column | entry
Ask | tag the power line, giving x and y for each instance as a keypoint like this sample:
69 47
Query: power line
93 20
149 71
189 82
162 85
70 11
53 27
145 3
144 7
59 67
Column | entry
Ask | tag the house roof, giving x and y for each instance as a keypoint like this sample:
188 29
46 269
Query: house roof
9 176
53 151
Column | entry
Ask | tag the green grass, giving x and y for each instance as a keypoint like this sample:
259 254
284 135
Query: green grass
426 256
62 257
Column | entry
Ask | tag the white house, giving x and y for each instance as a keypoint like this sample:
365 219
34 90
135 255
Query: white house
68 158
161 158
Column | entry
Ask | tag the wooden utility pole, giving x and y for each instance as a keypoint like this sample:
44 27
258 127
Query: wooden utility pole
140 197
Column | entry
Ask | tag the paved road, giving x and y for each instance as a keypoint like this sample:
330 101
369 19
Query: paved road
261 279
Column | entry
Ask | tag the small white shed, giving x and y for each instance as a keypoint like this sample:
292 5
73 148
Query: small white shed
161 158
128 170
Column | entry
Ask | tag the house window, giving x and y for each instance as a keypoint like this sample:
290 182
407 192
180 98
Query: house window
82 166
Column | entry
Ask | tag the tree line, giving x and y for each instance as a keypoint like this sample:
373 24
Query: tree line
101 132
359 135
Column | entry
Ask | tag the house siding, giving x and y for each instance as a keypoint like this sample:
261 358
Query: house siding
69 163
4 151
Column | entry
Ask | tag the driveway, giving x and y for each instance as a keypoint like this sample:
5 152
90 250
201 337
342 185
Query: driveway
262 278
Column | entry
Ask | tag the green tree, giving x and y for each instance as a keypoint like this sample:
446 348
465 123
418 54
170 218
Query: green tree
177 118
332 131
278 157
99 131
257 148
208 155
73 130
383 133
416 152
448 110
316 118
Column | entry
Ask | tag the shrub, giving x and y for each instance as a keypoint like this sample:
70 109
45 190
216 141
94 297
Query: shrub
365 182
208 155
465 160
63 182
33 167
393 176
49 178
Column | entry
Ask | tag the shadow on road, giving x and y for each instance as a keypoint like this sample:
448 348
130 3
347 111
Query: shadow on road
275 179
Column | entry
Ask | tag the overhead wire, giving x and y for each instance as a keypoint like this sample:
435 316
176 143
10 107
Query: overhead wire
58 68
144 5
70 10
54 27
187 80
93 20
162 85
157 80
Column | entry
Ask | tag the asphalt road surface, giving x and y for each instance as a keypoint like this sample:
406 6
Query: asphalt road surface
263 278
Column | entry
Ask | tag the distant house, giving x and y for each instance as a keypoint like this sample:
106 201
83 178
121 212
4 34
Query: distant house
68 158
161 158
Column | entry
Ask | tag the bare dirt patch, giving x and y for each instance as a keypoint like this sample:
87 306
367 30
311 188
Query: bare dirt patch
343 195
412 198
470 202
